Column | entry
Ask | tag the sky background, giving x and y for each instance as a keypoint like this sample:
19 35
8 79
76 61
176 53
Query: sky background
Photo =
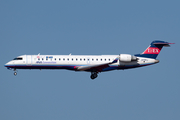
90 27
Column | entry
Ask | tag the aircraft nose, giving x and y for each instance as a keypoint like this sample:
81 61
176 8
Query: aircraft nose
7 64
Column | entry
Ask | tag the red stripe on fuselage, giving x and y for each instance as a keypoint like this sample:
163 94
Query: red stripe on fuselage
152 50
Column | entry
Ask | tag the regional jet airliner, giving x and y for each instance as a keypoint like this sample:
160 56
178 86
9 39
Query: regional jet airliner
89 63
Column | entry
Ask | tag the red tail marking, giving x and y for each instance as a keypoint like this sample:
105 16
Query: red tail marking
152 50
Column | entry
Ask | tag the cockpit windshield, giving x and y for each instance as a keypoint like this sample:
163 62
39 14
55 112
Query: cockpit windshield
18 58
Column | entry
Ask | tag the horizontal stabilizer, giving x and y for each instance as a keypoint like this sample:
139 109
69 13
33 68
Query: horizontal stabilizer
165 44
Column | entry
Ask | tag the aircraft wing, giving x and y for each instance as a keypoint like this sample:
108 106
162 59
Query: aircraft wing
97 68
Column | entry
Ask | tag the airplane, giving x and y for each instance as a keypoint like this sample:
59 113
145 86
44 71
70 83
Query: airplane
89 63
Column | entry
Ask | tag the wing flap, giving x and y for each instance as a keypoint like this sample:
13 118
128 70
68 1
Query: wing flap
98 67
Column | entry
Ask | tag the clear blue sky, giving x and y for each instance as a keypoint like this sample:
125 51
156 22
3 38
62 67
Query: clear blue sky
90 28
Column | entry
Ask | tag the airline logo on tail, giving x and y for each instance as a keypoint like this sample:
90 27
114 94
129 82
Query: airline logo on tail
152 50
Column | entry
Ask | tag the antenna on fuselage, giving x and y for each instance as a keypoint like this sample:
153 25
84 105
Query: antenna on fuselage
70 54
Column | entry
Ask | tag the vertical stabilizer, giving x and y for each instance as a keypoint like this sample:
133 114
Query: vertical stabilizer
154 49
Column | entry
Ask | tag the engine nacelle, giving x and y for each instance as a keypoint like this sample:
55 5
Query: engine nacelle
127 58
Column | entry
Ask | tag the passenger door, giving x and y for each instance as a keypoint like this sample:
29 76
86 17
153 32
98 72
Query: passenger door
28 59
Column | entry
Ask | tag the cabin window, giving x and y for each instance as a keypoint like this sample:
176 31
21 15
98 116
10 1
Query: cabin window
109 59
84 59
63 58
38 58
96 59
42 59
68 59
55 59
104 59
59 59
72 59
80 59
46 58
92 59
101 59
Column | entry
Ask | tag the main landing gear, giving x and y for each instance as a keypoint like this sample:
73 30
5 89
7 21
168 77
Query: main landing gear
94 75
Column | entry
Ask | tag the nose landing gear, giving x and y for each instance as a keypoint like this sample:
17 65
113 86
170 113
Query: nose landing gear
94 75
15 73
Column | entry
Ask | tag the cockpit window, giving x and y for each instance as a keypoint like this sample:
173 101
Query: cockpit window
18 58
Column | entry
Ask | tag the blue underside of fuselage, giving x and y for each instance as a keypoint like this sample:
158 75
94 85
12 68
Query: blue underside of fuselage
70 67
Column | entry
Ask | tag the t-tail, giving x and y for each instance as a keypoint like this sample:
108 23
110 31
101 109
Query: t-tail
154 49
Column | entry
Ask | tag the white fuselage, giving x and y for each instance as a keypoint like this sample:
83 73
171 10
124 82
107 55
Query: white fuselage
73 62
90 63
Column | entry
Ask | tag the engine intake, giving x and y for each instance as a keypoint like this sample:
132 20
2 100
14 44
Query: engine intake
127 58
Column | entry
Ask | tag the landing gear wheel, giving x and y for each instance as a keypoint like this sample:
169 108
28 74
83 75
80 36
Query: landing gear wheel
15 73
94 75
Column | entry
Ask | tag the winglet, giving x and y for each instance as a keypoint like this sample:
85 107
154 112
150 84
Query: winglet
115 61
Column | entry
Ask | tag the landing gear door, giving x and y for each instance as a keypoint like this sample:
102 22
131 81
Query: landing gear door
28 59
